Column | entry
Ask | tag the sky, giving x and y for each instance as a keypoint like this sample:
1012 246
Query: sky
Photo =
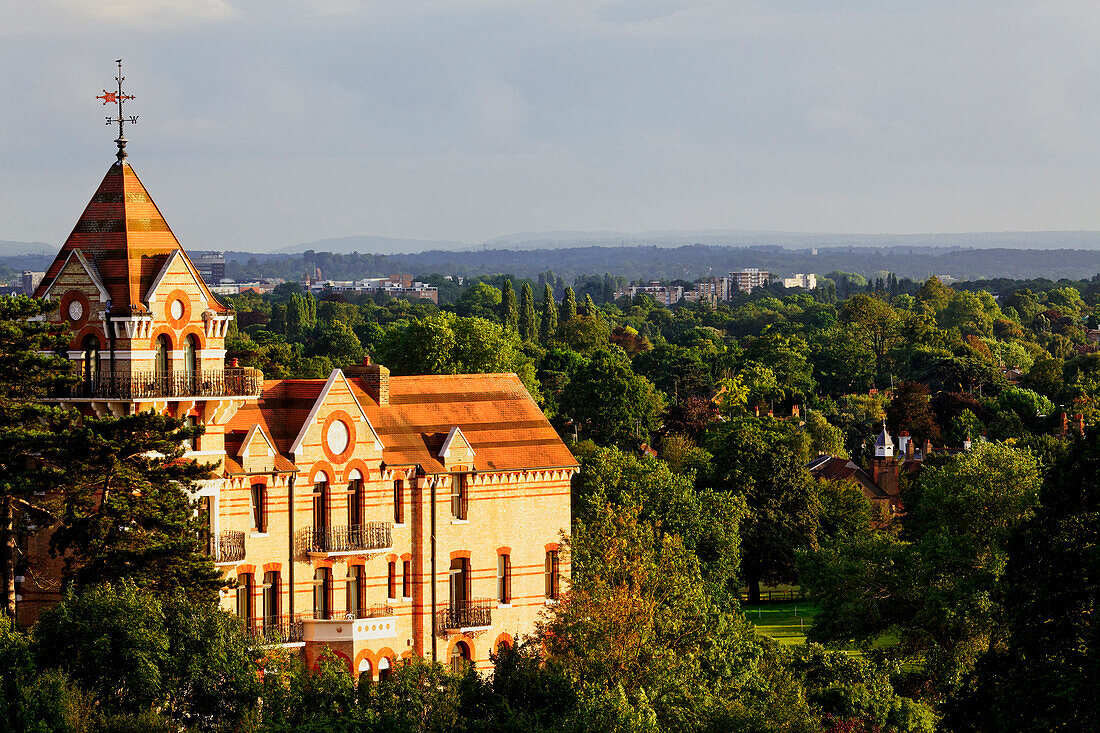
266 123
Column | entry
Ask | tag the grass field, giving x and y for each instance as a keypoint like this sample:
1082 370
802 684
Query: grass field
787 623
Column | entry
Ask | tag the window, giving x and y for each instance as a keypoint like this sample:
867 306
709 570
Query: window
355 498
322 590
191 359
364 669
406 579
91 359
259 508
320 502
271 600
383 669
162 356
504 578
190 443
391 583
460 578
460 657
399 501
355 589
245 582
458 496
552 573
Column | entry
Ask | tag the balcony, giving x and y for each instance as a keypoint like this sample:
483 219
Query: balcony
464 616
346 539
208 383
227 547
287 629
377 610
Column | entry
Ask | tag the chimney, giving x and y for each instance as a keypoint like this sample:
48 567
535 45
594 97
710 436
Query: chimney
794 411
1079 423
910 449
375 379
884 472
966 443
927 447
1063 419
904 443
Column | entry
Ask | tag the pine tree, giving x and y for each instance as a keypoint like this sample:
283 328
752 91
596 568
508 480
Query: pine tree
509 314
28 371
590 309
126 512
568 306
528 330
549 326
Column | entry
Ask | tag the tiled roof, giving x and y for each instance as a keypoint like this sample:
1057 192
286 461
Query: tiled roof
124 236
498 418
832 467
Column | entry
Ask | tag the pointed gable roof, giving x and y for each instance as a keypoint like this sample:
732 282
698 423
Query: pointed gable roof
123 235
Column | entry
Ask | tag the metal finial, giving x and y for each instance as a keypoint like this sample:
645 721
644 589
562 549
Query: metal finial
118 98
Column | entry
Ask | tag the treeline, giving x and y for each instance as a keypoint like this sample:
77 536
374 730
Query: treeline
687 262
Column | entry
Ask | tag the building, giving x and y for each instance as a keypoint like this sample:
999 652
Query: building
379 516
663 294
211 266
748 279
30 280
800 280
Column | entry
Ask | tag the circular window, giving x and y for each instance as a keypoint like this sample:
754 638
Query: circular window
337 438
177 309
76 310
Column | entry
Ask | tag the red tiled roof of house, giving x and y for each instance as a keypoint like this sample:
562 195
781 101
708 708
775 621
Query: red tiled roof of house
124 236
495 413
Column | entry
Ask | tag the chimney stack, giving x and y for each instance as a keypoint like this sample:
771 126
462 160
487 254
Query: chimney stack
375 379
927 447
1063 420
794 411
1079 423
904 443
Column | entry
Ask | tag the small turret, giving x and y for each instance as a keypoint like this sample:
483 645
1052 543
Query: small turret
884 444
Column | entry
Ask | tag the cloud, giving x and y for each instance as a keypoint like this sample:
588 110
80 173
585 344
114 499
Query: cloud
69 16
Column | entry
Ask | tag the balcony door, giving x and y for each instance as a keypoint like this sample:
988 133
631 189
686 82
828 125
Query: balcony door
460 582
271 600
191 361
90 370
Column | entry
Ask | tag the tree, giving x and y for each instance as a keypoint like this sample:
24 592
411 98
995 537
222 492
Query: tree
909 409
340 344
28 371
935 587
134 652
509 313
528 330
568 306
589 308
125 509
301 316
1039 673
762 460
615 405
879 322
548 327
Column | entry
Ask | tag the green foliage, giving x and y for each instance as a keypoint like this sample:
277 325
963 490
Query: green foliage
125 508
447 344
509 312
568 307
528 328
615 405
548 325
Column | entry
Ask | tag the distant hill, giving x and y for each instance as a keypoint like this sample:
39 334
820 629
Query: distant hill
14 249
373 245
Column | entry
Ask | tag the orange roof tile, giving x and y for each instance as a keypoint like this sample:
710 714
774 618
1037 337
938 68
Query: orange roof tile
495 413
124 236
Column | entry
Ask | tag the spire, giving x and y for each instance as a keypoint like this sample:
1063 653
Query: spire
118 97
124 237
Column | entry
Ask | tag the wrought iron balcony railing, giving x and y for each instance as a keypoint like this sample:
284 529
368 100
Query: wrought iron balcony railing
377 610
285 629
369 537
227 546
230 382
472 614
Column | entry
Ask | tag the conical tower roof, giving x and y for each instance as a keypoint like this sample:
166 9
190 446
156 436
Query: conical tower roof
123 235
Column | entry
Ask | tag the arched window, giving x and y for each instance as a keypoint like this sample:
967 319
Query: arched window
90 371
271 601
383 669
355 589
460 657
162 356
244 598
365 672
460 578
322 592
191 359
355 497
320 502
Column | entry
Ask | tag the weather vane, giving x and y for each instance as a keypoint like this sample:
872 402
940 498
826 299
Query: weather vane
118 98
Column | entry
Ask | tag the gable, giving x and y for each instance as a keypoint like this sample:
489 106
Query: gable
176 274
336 403
77 273
456 449
257 453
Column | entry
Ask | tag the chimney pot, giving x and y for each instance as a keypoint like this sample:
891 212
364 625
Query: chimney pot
234 363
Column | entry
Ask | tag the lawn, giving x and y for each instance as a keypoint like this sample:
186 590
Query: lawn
787 623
